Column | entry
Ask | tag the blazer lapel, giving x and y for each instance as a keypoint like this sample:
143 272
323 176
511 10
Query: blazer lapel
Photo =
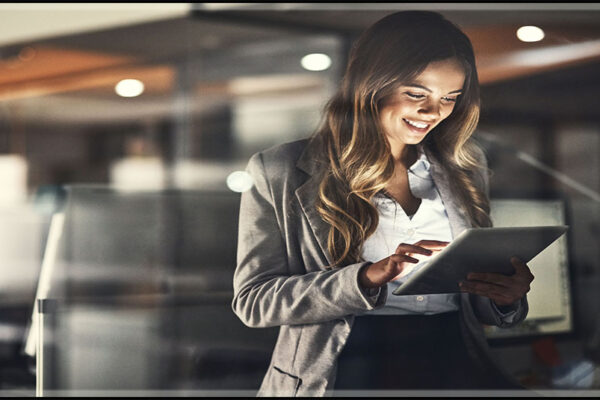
307 193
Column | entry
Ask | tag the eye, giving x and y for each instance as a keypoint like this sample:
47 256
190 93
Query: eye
415 95
449 99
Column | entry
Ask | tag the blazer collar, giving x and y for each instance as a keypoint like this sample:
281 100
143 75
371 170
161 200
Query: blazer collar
310 160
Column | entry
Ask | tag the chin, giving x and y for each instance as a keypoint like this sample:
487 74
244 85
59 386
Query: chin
414 139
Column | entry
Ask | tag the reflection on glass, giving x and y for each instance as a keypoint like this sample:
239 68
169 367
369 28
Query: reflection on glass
143 265
142 281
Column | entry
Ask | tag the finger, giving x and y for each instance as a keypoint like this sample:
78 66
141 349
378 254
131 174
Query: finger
521 268
411 248
518 264
483 287
400 258
492 293
502 299
498 279
504 302
432 244
517 287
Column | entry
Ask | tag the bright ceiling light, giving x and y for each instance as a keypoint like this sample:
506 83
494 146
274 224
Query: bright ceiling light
316 62
239 181
530 33
129 88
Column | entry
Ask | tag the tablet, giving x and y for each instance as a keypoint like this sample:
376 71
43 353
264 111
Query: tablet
478 250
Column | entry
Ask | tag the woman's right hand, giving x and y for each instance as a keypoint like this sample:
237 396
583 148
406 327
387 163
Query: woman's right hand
384 271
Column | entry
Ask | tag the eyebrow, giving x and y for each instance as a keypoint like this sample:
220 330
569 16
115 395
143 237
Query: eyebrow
429 90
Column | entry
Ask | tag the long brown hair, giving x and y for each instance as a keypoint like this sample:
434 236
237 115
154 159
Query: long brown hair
394 50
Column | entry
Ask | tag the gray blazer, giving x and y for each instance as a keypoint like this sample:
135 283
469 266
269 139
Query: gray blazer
283 275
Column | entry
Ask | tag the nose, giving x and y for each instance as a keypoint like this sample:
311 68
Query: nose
430 109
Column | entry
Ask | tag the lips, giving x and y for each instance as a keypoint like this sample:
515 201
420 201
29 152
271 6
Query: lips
417 126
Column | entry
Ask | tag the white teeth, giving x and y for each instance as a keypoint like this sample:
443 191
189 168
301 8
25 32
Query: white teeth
417 124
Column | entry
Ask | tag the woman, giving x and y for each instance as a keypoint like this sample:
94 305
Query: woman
334 223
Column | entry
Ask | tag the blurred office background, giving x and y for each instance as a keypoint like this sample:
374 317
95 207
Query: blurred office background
124 133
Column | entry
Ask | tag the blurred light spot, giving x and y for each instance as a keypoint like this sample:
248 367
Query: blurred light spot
239 181
251 85
138 173
530 33
316 62
129 88
13 179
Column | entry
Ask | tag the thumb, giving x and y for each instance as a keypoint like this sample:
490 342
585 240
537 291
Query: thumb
518 263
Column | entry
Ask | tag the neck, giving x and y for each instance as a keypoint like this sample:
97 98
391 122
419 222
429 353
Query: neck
404 155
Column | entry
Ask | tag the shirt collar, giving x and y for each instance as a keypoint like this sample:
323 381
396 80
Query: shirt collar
422 164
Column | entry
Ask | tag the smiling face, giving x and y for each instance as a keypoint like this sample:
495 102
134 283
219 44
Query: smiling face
418 106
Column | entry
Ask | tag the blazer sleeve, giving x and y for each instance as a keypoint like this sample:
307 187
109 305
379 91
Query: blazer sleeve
485 311
266 292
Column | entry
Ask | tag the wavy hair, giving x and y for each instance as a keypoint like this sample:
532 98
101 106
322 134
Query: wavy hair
391 52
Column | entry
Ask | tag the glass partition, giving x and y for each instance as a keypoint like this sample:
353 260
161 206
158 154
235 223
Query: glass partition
122 211
140 289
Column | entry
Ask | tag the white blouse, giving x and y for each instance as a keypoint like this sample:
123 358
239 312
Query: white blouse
395 227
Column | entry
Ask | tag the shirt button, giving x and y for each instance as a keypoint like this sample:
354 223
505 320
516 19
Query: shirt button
420 298
410 232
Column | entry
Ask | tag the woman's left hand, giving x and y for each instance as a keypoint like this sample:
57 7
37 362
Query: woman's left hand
503 290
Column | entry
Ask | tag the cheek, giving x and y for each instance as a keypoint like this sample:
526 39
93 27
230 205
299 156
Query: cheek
390 114
398 106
